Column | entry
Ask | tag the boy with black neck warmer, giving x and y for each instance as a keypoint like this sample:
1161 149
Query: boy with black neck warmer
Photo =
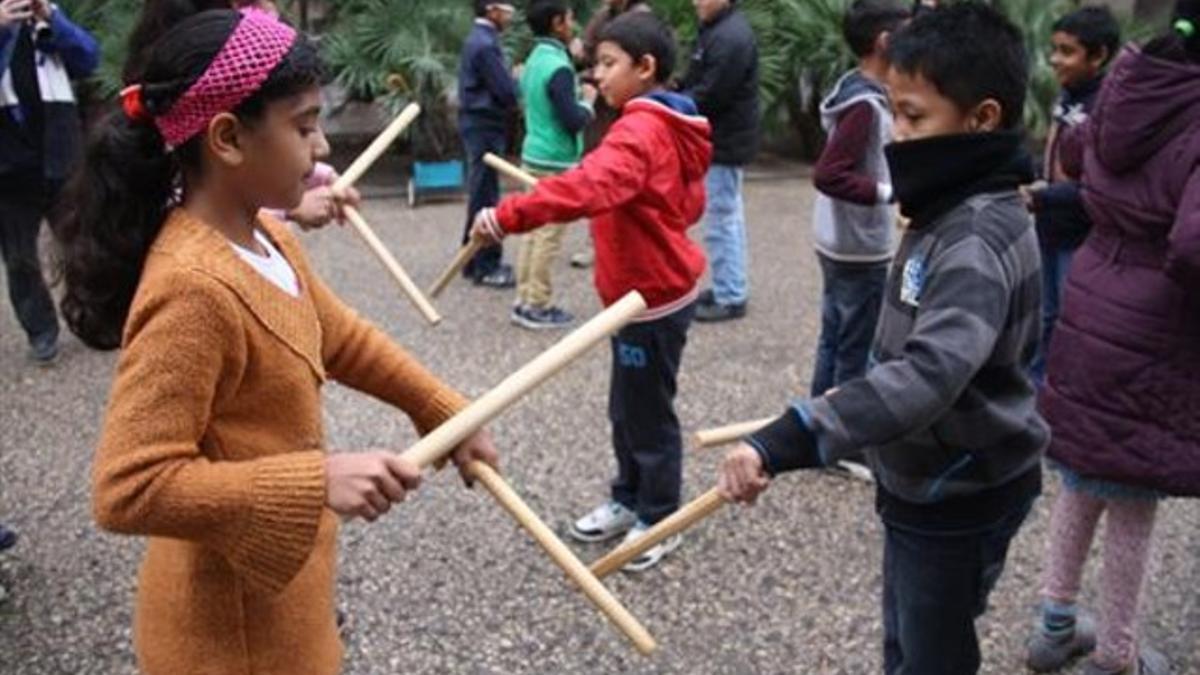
947 416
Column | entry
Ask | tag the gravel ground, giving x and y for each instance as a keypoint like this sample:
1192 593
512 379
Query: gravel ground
448 583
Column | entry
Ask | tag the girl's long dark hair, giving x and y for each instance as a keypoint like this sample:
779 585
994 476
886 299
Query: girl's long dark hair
116 202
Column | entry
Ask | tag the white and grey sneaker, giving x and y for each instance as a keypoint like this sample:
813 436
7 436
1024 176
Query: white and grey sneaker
606 521
652 556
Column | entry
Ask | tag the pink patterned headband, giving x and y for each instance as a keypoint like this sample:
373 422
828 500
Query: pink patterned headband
255 48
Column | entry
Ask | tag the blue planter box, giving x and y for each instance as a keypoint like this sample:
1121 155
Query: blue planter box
434 176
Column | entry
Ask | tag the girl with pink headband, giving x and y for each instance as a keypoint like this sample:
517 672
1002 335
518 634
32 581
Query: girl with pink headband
212 445
319 206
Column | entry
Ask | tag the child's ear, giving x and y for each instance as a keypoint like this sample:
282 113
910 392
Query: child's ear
224 139
1099 59
647 68
986 117
881 43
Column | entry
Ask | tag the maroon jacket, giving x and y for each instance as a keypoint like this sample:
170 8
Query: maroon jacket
1123 387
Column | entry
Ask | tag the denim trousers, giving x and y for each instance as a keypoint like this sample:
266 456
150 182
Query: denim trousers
1056 262
935 585
21 215
725 233
850 302
483 187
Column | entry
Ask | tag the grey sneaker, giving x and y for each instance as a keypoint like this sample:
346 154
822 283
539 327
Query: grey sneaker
604 522
1046 654
1149 662
541 318
652 556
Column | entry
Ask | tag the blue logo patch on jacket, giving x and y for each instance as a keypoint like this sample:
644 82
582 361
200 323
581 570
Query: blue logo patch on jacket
912 281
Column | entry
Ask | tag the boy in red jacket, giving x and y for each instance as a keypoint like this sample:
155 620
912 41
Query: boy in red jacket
643 187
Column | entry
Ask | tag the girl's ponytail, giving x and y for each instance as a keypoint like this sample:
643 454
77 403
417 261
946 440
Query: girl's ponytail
113 208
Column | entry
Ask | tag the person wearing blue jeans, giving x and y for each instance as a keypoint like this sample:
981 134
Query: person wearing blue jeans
487 96
725 236
722 77
1056 262
849 311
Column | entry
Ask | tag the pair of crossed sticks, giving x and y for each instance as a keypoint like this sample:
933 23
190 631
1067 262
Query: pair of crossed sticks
442 441
355 171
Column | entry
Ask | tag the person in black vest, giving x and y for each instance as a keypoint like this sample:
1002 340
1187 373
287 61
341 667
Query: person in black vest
487 95
41 51
723 80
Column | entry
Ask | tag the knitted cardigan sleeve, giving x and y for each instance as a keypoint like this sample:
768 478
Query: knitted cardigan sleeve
361 356
183 352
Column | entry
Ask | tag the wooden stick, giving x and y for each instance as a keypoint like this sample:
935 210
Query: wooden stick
563 557
509 169
460 261
377 147
695 511
393 266
472 247
441 441
709 438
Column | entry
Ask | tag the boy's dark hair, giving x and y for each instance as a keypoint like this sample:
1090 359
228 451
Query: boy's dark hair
639 34
864 20
1095 27
542 13
481 6
970 53
117 200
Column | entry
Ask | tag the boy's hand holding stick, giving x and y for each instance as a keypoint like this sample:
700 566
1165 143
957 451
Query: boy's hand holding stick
478 238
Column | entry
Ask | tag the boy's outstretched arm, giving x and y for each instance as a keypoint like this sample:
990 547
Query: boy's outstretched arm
963 307
611 175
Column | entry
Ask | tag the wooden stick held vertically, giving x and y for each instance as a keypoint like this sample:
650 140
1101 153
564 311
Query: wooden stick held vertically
355 171
472 247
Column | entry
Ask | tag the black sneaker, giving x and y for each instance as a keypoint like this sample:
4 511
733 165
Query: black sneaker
44 350
538 318
706 297
714 312
8 538
501 277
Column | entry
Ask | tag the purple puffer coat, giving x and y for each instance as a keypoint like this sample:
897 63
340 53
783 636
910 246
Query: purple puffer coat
1123 374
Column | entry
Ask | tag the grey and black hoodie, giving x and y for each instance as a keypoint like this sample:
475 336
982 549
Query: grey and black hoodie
846 231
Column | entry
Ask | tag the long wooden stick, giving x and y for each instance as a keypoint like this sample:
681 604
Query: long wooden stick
472 247
563 557
441 441
460 261
355 171
695 511
377 147
709 438
393 266
509 169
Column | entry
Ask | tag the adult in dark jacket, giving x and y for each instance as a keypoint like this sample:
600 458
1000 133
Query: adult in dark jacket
723 79
41 51
487 95
1123 373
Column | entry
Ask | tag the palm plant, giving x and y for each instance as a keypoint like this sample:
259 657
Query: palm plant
401 52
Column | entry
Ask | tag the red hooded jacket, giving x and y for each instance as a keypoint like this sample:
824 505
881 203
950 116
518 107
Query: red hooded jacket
643 187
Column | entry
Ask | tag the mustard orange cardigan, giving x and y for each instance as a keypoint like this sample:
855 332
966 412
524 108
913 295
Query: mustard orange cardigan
213 448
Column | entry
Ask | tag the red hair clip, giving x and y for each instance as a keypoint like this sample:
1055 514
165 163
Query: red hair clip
131 102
